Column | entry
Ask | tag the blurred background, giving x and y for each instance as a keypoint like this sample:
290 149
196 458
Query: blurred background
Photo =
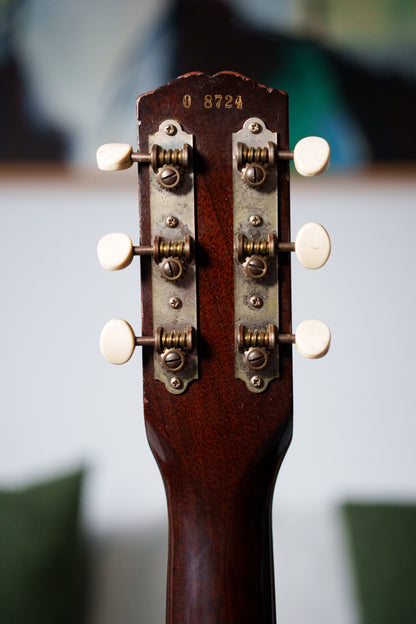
343 512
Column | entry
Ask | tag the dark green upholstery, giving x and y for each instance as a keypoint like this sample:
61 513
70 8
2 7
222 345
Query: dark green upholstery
383 549
42 567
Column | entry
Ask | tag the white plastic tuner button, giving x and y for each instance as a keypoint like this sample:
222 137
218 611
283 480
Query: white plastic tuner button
312 245
117 341
311 156
114 156
313 339
115 251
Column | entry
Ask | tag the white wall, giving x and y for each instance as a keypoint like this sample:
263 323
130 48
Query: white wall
355 422
62 404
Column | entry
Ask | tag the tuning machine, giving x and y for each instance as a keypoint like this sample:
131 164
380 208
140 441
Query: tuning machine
312 340
116 251
118 342
168 164
253 162
255 254
312 247
310 155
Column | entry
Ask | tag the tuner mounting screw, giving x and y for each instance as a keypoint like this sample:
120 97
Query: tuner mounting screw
255 128
255 220
170 130
176 383
171 221
256 381
171 269
256 301
175 303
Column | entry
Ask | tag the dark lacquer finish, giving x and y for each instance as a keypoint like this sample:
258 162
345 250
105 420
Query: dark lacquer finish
218 446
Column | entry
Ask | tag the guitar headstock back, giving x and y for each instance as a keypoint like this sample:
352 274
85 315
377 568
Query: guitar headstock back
218 420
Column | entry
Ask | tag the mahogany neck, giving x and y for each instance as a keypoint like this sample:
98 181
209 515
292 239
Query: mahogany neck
220 564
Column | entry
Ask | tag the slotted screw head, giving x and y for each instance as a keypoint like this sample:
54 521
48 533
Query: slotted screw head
255 267
254 174
256 358
173 359
171 269
168 177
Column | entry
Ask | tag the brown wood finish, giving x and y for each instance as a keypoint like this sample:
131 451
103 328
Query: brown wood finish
218 446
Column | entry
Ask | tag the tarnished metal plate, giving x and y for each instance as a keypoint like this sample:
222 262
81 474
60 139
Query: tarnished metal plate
178 203
251 202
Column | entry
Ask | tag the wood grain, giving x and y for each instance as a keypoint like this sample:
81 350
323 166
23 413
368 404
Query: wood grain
218 446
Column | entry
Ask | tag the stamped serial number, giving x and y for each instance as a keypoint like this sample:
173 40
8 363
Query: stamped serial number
216 100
